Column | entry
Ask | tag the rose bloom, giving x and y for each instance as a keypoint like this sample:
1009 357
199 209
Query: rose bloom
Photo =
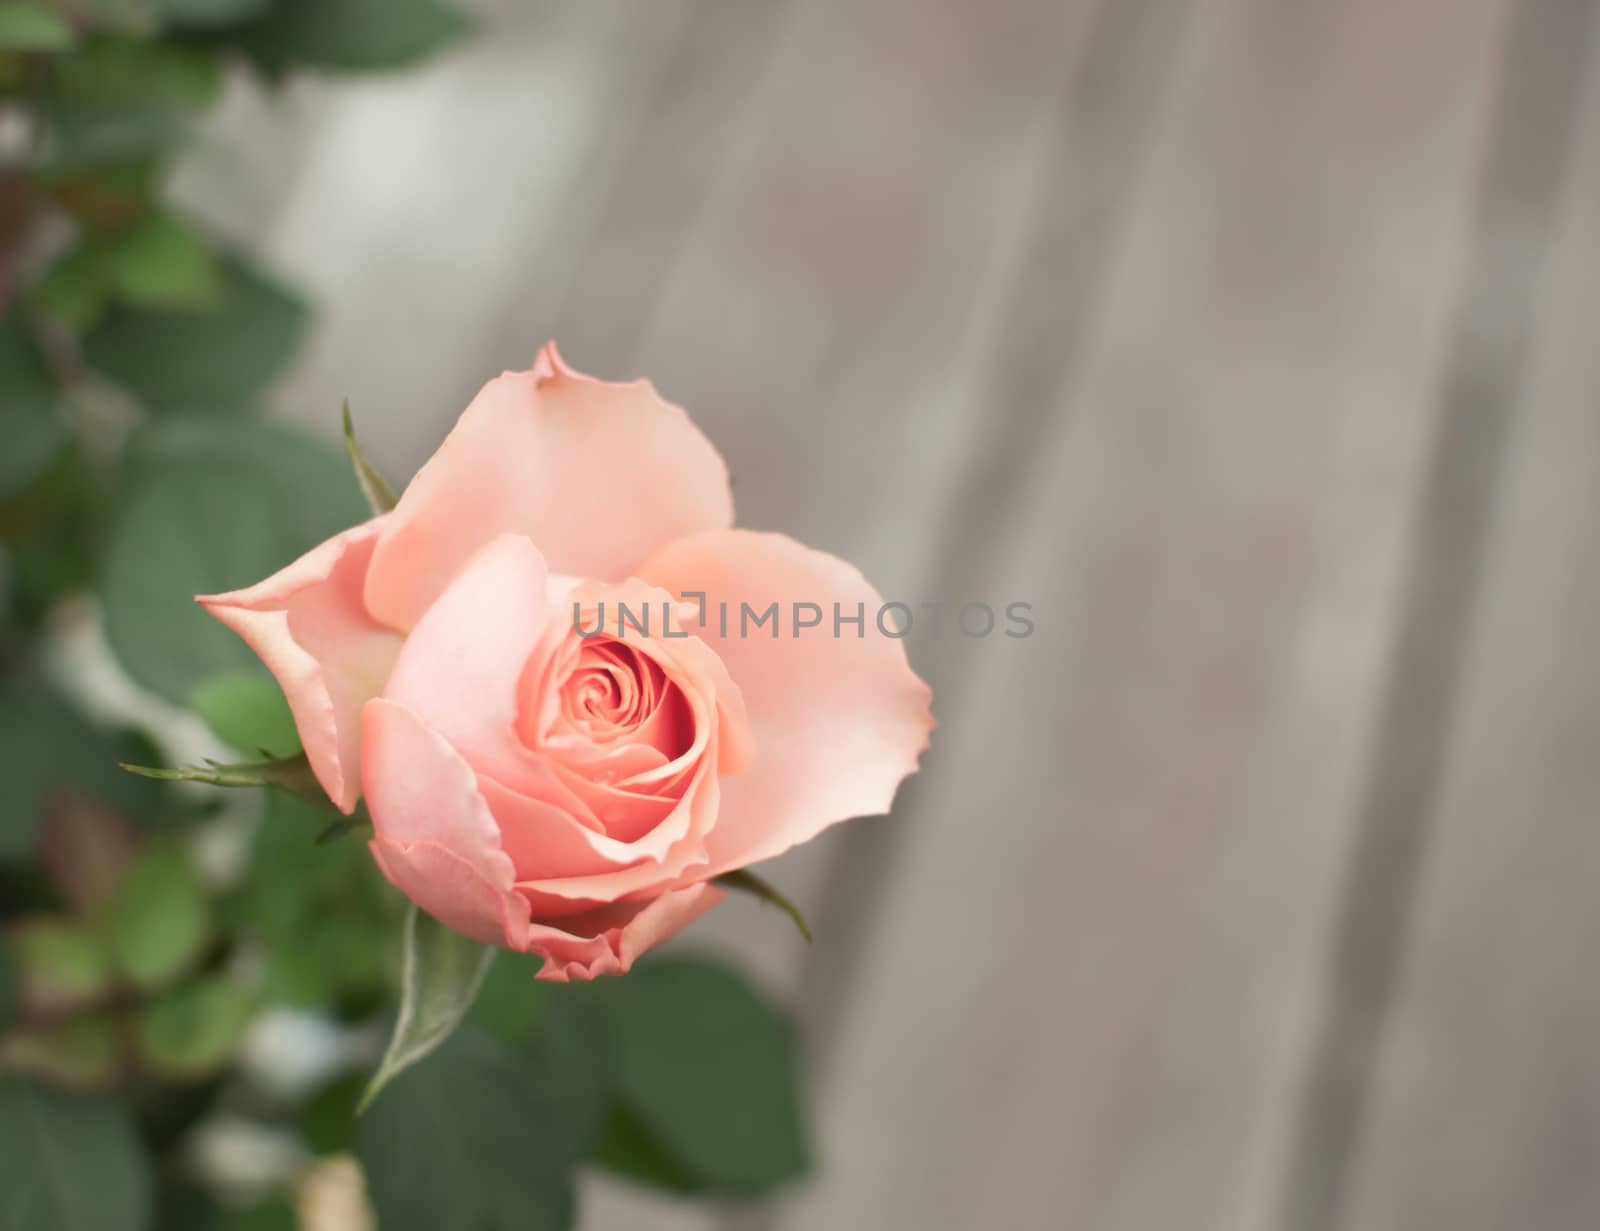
549 790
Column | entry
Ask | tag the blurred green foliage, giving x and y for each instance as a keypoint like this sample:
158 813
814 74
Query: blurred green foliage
132 344
209 344
209 507
680 1076
158 922
70 1162
324 917
246 711
705 1070
135 349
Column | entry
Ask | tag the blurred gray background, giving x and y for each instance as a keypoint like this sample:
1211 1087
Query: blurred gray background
1254 343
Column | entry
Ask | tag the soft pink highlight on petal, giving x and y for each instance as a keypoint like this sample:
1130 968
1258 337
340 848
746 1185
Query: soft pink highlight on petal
545 840
460 667
609 939
674 852
435 838
838 722
597 474
309 626
454 892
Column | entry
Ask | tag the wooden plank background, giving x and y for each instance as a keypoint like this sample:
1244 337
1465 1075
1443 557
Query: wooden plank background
1252 342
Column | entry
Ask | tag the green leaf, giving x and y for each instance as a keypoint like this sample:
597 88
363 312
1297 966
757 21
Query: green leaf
324 914
352 34
469 1141
163 264
111 197
211 508
32 27
209 12
337 961
512 1002
51 533
184 1204
10 986
570 1057
315 471
158 263
30 411
272 1216
627 1148
218 359
440 974
247 710
379 495
84 135
193 1031
62 964
86 848
46 745
139 74
77 285
160 920
328 1119
50 1144
125 17
82 1055
118 102
710 1071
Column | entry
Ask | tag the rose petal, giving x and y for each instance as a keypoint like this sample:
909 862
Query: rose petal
547 840
460 668
438 843
838 721
309 626
454 892
435 838
693 669
598 474
563 865
608 939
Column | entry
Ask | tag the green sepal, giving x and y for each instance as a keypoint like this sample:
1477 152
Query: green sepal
442 973
749 882
380 496
291 774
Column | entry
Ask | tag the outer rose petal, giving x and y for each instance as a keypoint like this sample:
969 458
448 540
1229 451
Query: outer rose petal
565 866
607 940
309 625
450 889
436 839
438 843
838 722
597 474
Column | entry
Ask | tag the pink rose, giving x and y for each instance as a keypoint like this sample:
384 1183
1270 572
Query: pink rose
556 792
